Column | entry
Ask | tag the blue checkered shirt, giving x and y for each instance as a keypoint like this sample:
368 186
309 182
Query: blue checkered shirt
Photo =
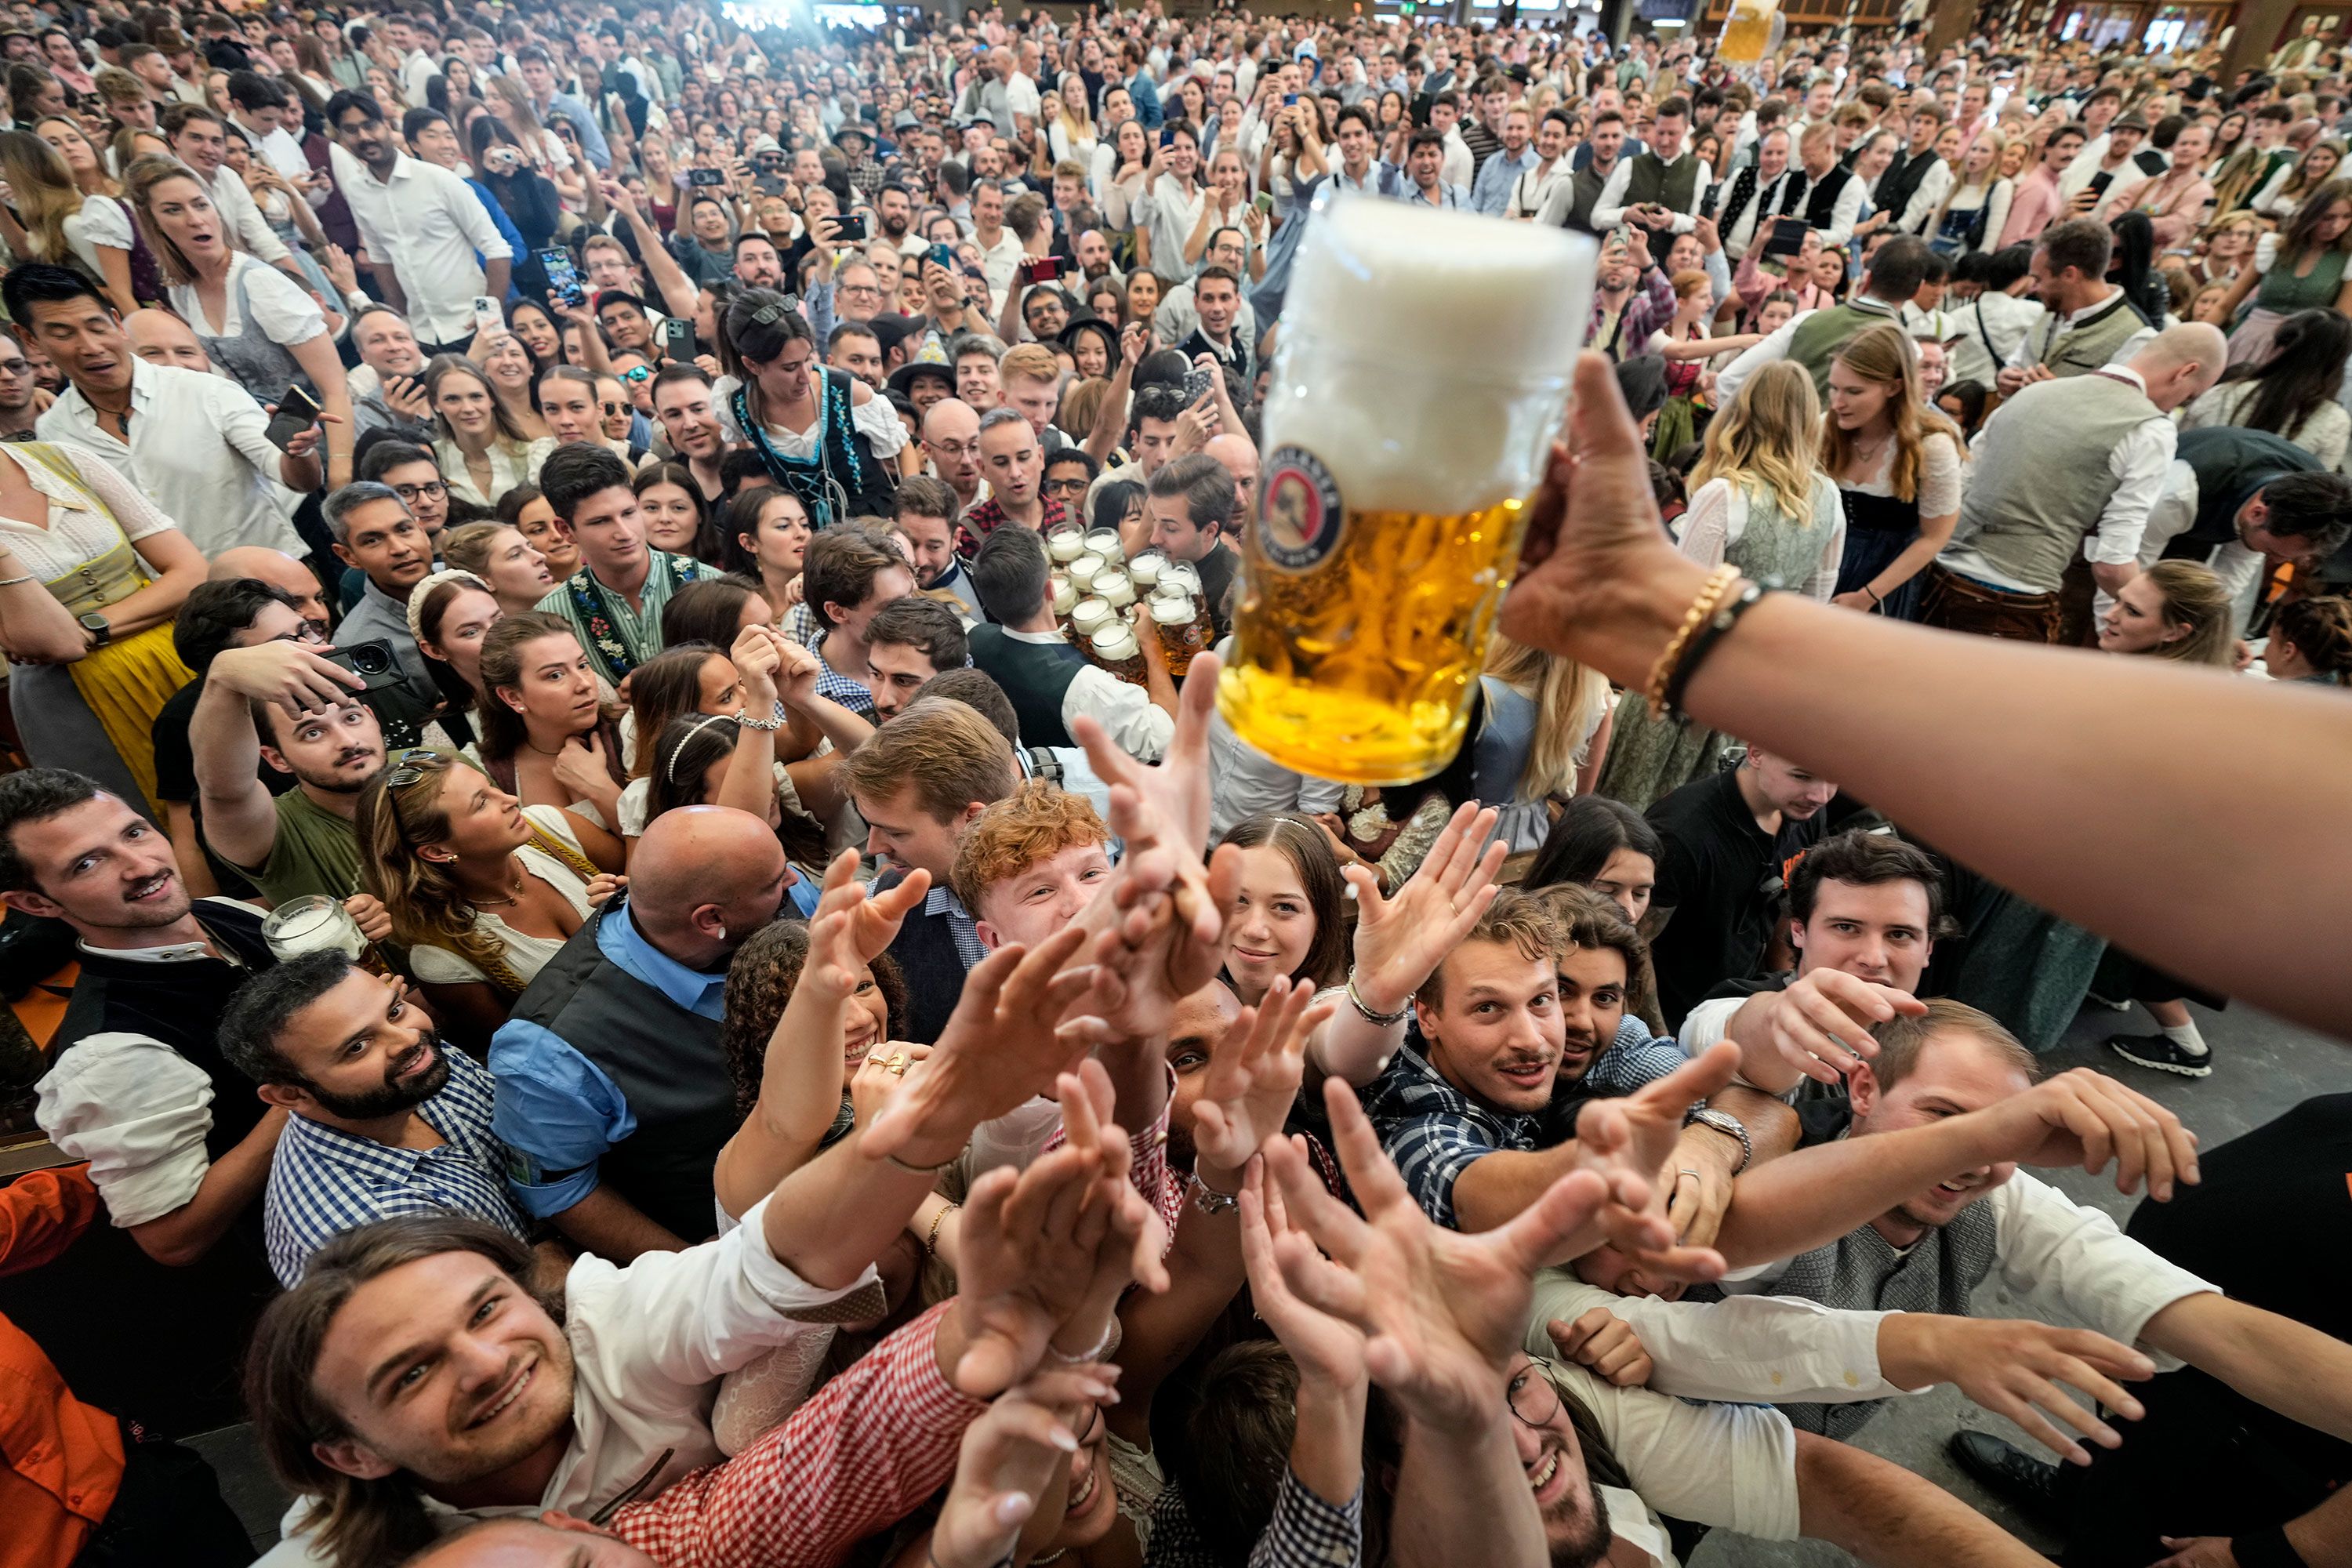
941 901
1434 1131
840 688
1305 1531
324 1181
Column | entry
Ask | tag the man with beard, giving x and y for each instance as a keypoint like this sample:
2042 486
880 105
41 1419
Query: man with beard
384 1121
757 265
287 705
893 214
613 1086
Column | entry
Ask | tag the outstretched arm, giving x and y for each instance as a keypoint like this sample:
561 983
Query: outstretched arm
2010 756
1884 1514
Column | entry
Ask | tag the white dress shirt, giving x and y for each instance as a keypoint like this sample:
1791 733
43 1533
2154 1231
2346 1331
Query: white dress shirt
649 1339
1138 726
221 488
247 228
2138 462
2175 512
2065 1263
1532 186
1997 326
1167 215
1772 1350
428 225
137 1112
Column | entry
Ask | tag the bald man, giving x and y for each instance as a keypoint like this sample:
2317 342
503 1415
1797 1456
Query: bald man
1238 453
2062 478
281 572
951 444
160 337
613 1086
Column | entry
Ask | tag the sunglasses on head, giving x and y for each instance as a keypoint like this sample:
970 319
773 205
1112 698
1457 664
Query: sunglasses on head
414 765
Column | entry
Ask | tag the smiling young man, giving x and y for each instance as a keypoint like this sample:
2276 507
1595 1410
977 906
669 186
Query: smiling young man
613 603
385 1121
1029 863
375 533
682 408
1518 1027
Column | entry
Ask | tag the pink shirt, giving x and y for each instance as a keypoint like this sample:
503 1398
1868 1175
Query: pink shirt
2037 205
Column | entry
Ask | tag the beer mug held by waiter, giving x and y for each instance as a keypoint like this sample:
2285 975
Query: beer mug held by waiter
1422 371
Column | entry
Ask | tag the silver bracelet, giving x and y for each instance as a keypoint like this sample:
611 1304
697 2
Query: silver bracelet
12 582
1207 1200
1102 1347
773 721
1356 1000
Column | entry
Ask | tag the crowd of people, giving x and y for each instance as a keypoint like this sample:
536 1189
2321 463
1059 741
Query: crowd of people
700 560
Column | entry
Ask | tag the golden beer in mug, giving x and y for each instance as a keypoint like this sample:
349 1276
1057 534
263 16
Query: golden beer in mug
1422 371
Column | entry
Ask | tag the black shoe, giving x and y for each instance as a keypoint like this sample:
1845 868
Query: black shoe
2008 1472
2162 1053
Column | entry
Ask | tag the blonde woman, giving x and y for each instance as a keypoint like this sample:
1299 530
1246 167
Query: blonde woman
1974 208
1545 738
482 453
1069 127
1897 467
1760 502
2177 610
255 322
482 890
53 219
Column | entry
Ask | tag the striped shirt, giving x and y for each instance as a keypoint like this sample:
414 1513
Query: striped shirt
324 1181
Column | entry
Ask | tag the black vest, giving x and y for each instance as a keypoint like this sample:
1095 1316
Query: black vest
180 1004
667 1064
2230 465
1035 676
925 950
1815 201
1583 191
1902 181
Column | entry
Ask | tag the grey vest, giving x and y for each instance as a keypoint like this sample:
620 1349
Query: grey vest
1035 676
667 1064
2093 345
1674 186
1860 1272
2040 480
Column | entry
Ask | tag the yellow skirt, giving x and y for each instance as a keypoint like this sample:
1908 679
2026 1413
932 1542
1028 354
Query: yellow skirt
126 684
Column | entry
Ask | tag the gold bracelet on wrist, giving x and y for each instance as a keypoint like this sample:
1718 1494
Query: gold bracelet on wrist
1719 583
931 1241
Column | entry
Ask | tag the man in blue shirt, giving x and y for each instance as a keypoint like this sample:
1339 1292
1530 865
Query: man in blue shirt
613 1092
1490 193
1139 88
538 73
386 1120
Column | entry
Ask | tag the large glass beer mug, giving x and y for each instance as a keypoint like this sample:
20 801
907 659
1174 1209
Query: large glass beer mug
1421 372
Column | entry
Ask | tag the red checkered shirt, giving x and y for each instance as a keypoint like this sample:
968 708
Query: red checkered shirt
859 1456
985 518
1162 1183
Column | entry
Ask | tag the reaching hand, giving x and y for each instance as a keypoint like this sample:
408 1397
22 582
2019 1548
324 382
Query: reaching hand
580 767
1254 1074
1629 1141
1821 1024
1009 1457
2084 1118
1400 942
2014 1368
1053 1247
1605 1343
603 887
853 926
1441 1312
1329 1350
877 1080
1003 1046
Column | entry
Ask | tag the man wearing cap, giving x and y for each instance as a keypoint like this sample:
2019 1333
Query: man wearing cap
925 378
2118 156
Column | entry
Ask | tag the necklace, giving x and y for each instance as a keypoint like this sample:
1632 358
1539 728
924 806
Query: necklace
1868 455
542 751
512 899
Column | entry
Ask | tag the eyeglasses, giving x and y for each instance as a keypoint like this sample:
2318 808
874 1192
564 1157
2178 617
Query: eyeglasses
1533 1398
1064 487
414 765
414 492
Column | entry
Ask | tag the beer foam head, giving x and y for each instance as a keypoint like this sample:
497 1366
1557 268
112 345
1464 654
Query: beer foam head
1424 355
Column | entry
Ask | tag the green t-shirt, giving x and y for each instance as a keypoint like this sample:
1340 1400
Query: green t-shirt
315 852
